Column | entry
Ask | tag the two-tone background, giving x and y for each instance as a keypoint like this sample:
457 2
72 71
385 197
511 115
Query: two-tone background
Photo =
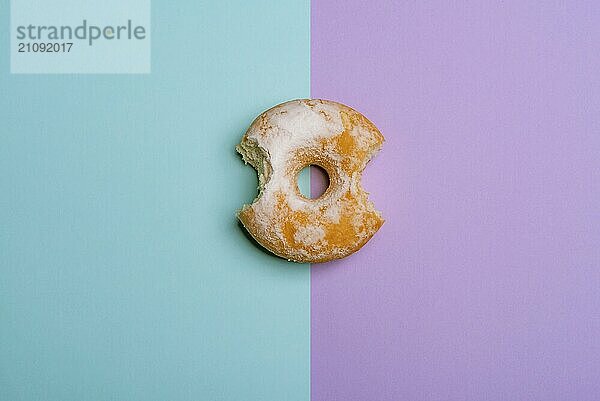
125 276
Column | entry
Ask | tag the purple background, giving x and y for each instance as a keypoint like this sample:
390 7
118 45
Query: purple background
484 282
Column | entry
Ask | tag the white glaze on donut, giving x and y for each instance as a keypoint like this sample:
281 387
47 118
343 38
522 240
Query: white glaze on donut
283 140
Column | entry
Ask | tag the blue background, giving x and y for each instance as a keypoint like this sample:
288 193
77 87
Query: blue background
123 272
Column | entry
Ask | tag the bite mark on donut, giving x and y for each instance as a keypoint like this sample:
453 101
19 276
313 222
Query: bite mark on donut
258 158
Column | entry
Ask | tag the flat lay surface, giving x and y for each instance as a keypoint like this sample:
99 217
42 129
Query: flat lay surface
124 274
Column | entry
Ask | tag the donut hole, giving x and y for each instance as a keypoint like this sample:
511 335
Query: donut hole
319 181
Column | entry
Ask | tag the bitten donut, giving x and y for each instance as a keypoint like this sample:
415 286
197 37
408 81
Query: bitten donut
279 144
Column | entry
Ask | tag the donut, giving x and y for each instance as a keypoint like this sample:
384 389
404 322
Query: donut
279 144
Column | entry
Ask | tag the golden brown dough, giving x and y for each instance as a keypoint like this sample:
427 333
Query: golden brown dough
279 144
